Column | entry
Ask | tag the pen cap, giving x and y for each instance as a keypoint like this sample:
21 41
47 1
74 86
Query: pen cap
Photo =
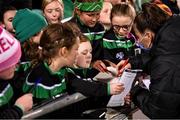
137 51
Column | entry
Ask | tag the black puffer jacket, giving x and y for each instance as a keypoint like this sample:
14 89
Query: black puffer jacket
163 98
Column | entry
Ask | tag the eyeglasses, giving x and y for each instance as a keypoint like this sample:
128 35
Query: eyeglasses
124 27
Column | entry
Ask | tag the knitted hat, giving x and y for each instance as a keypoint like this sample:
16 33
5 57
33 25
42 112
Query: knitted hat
27 23
10 50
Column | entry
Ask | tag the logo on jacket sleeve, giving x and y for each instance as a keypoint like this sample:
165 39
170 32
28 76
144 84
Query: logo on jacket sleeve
120 55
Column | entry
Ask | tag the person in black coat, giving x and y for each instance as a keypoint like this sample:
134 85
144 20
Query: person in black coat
158 33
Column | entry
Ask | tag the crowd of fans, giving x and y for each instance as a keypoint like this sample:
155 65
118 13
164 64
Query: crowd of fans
51 47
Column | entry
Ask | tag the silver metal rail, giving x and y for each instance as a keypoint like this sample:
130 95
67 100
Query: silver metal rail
54 105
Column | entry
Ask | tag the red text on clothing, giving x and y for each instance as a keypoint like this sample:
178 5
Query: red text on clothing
5 44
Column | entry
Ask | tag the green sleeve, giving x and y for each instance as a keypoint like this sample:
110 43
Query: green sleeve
20 106
23 66
108 89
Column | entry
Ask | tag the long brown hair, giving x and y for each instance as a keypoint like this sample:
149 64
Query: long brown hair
46 2
55 36
151 17
123 9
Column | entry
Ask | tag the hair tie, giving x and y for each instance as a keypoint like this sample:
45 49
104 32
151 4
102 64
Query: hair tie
39 47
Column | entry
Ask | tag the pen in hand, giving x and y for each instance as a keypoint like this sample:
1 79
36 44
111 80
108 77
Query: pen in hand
122 67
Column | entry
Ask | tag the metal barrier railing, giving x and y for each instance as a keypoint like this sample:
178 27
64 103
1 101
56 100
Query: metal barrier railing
55 104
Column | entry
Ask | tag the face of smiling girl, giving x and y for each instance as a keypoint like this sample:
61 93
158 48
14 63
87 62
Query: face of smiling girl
84 56
122 25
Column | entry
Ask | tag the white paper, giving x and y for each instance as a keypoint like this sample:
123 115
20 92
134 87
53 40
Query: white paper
103 76
146 83
127 79
112 70
107 75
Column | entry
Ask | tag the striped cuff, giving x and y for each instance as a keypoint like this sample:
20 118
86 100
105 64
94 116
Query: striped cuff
20 106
